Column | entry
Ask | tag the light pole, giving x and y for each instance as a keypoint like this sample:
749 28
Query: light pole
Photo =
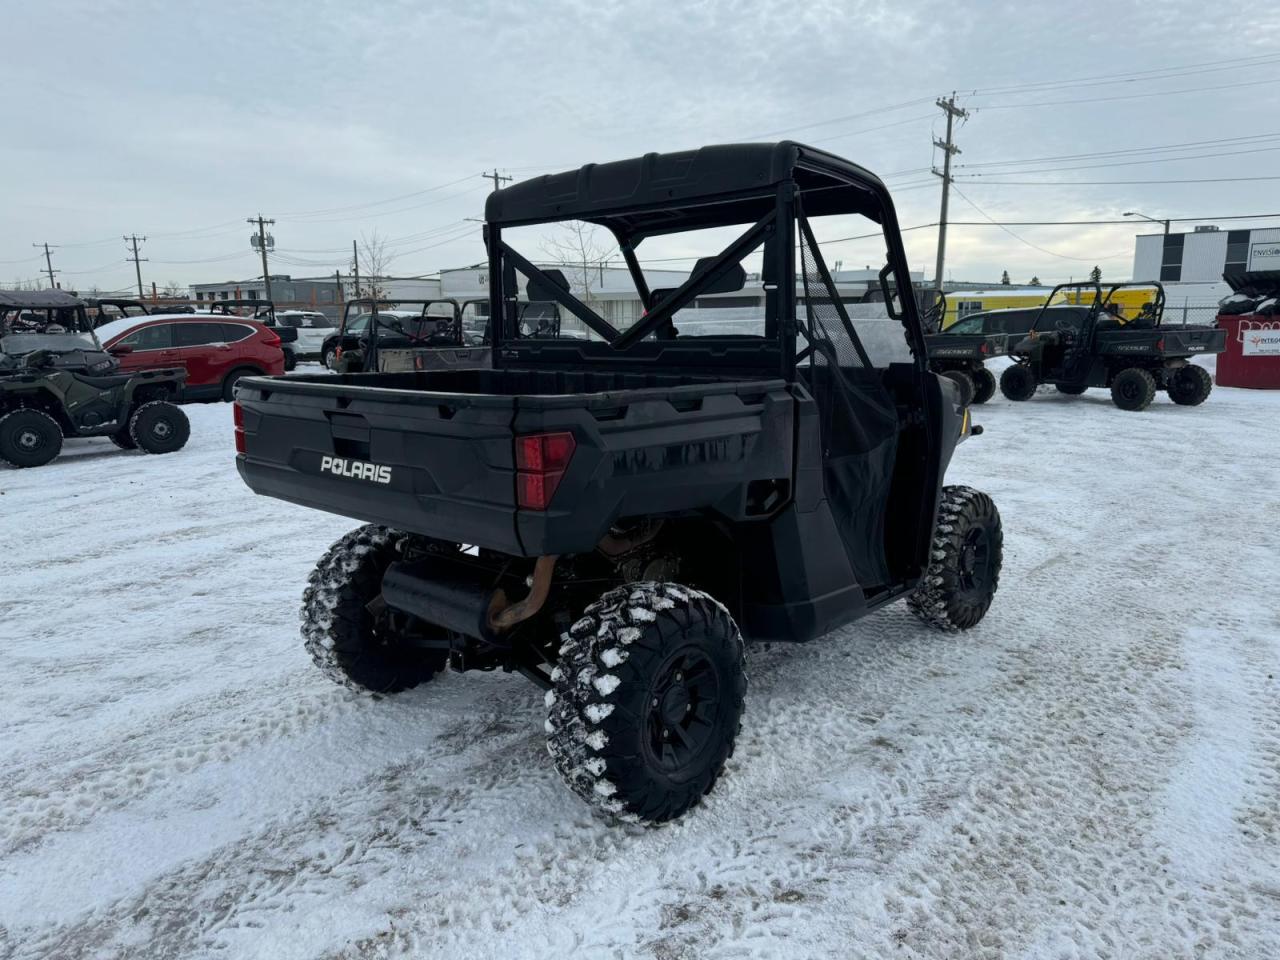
1135 213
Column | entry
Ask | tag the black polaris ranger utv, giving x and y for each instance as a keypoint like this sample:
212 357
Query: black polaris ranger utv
56 381
612 516
961 351
1088 342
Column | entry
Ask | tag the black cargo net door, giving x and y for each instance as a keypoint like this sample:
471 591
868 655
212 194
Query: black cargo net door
858 419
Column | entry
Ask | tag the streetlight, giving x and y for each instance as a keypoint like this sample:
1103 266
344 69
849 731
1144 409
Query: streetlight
1135 213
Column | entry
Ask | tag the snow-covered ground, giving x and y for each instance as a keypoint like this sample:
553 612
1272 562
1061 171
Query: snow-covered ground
1093 772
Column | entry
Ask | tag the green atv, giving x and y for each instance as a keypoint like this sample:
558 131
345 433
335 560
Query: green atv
56 381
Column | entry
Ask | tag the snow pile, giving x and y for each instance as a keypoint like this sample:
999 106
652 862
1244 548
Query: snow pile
1094 771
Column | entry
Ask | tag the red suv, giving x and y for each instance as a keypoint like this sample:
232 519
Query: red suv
215 352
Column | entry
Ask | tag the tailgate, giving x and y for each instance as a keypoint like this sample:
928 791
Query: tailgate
1186 341
434 463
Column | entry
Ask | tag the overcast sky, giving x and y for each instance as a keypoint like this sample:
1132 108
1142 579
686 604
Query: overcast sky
179 120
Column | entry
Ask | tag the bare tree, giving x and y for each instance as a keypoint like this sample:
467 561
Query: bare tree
577 249
174 290
375 258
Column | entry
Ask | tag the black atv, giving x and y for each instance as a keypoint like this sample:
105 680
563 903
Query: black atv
1088 342
612 516
56 381
960 352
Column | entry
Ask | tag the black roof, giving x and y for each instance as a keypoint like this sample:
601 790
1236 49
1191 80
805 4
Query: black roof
38 299
692 189
1255 283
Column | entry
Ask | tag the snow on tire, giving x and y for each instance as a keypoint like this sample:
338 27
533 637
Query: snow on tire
346 641
646 700
964 562
159 426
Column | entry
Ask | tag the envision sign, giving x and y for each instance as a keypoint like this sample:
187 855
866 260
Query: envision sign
1265 255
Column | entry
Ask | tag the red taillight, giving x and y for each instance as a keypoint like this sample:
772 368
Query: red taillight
985 348
541 460
337 354
271 339
237 416
1160 344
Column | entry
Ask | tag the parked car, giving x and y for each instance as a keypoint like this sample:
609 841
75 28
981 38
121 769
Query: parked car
215 351
313 329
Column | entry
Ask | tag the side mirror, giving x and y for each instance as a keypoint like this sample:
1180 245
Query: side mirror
120 349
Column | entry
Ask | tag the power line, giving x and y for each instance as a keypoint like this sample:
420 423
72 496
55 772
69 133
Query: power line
1100 183
1026 242
1125 163
1158 73
1126 96
1126 151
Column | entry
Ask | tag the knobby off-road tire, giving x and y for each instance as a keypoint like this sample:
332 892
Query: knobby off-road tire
123 440
29 438
1018 382
1190 386
1071 389
965 383
349 643
984 385
646 700
1133 389
964 562
159 427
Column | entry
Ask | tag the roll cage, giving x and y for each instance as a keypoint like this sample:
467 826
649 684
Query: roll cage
769 191
31 311
262 310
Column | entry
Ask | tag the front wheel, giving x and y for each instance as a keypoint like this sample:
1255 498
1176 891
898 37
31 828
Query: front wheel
966 556
984 385
965 383
1133 389
159 427
346 627
327 359
647 700
29 438
1018 382
1190 385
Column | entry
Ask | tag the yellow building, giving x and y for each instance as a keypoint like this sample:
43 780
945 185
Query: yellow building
961 303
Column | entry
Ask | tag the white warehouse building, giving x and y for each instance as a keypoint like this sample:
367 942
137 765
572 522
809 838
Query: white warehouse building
1203 255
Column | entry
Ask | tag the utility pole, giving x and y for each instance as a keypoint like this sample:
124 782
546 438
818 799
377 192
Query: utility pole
137 261
355 267
496 178
262 246
48 264
949 149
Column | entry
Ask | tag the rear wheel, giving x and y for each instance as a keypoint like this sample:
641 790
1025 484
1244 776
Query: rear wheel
966 556
229 384
29 438
347 627
159 427
1190 385
327 358
647 700
1072 389
290 360
964 382
984 385
1018 382
1133 389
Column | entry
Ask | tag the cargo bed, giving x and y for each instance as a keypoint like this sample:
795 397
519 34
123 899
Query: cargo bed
433 453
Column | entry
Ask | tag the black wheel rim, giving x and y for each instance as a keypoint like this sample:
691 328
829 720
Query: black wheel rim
162 429
682 719
975 563
29 440
1129 390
